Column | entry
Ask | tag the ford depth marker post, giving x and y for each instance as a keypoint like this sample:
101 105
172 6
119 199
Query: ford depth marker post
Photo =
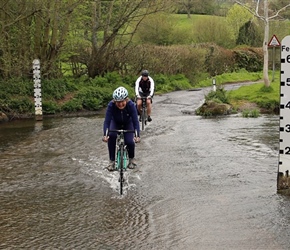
284 148
37 90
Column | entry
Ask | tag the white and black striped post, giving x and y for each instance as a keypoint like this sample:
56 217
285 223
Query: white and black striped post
213 85
283 180
37 89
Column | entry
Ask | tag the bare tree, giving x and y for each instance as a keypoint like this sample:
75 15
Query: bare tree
14 38
113 25
262 12
33 29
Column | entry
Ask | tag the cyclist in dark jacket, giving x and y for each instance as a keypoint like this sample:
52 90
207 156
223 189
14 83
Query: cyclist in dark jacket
144 87
121 114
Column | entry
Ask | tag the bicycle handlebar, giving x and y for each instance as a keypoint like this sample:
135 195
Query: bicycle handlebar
121 131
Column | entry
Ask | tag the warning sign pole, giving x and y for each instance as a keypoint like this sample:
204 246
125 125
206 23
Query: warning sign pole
273 62
273 43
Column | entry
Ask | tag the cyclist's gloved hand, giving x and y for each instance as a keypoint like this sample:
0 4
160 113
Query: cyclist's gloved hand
105 138
137 139
138 96
149 97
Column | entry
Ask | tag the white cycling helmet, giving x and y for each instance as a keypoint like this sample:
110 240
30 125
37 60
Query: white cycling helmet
120 94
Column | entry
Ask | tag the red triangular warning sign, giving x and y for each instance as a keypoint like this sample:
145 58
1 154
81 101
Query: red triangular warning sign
274 42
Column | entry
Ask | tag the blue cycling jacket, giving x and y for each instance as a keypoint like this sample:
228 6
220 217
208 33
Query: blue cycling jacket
122 117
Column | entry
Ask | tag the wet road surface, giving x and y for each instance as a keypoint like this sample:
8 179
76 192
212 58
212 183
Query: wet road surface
200 183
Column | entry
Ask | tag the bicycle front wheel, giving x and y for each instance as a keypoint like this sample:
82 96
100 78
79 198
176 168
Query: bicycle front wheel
121 161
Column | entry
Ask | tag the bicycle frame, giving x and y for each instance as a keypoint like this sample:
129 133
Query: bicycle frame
144 112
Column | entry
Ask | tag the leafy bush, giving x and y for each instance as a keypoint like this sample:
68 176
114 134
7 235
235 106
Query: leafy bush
250 34
72 105
21 105
17 86
220 95
50 107
171 83
179 82
167 60
113 77
97 81
57 88
249 59
92 104
218 60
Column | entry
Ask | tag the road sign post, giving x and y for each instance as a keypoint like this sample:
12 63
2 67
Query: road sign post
283 180
273 43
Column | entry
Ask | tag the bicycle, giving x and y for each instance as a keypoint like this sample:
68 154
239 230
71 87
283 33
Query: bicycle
144 112
122 157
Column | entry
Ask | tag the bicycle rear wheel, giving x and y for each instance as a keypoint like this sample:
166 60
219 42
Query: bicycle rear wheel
143 120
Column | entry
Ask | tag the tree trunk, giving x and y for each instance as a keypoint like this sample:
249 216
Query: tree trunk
265 45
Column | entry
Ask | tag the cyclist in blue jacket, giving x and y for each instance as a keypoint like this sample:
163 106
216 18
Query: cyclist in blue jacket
121 114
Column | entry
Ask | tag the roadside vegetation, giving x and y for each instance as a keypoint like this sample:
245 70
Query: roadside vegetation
68 95
251 100
96 46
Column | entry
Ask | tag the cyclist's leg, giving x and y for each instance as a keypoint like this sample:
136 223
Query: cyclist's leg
112 141
149 108
139 104
129 141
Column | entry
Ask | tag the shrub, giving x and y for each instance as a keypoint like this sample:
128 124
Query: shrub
17 86
21 105
72 105
220 95
179 82
251 113
213 29
219 60
167 60
57 88
249 59
92 104
50 107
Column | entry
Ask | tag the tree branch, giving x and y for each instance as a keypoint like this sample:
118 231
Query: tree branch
278 12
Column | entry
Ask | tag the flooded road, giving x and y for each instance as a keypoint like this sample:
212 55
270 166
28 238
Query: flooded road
200 183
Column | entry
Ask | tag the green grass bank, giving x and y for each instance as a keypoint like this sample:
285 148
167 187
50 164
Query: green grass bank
69 96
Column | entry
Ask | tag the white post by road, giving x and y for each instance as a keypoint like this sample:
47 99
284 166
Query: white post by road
37 89
213 85
283 179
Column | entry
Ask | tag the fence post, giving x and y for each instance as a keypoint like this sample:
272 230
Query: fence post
37 89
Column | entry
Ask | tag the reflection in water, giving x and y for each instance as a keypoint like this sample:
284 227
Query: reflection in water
201 184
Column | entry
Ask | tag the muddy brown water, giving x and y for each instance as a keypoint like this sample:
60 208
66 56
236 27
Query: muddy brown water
200 183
